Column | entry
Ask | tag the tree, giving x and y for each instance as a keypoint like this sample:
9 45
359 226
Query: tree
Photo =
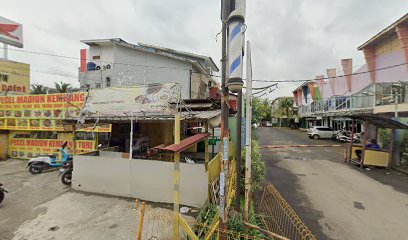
258 110
39 89
286 106
62 87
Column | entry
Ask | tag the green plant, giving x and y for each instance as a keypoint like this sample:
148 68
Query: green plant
38 89
62 87
385 137
404 148
236 224
257 168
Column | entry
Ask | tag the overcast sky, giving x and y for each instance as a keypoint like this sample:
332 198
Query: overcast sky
290 39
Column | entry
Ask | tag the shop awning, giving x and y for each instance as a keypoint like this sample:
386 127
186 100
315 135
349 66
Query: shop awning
381 122
185 143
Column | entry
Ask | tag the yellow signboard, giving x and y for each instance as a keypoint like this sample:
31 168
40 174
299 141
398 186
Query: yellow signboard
42 112
14 77
29 148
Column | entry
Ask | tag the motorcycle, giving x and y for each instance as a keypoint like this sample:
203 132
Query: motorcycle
66 172
39 164
2 193
344 136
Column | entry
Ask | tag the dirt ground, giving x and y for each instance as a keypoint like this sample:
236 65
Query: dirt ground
40 207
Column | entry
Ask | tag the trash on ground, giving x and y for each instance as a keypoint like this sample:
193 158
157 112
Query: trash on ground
184 210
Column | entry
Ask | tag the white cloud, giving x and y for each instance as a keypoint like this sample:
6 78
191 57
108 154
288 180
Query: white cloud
291 39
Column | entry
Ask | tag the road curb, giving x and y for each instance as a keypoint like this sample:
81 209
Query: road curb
299 146
399 170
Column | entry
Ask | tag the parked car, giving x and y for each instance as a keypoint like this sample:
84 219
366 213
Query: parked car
317 132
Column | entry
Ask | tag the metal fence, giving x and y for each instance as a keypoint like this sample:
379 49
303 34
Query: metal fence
280 218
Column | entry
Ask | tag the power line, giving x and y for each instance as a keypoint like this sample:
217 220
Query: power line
101 61
344 75
213 75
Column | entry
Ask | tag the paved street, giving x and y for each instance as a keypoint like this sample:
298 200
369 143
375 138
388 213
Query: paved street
335 200
40 207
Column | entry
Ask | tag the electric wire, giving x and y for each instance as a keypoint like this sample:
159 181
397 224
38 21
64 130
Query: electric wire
214 75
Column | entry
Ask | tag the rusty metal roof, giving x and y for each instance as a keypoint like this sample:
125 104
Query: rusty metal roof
185 143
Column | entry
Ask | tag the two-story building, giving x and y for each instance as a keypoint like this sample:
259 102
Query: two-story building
380 86
115 62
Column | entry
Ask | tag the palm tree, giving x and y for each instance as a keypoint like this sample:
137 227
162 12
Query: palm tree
286 107
39 89
62 87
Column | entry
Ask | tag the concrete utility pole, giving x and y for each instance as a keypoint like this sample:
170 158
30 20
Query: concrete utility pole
238 152
235 63
5 51
248 146
225 11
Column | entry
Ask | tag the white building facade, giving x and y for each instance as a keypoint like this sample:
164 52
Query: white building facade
114 62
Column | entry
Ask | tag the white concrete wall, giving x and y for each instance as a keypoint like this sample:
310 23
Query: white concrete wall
110 154
137 67
132 67
148 180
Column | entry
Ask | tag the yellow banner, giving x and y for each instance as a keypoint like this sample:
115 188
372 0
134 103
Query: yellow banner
14 77
44 112
29 148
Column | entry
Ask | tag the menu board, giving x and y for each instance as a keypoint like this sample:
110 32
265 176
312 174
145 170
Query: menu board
44 112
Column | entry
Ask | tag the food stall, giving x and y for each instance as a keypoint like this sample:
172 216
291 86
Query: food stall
372 157
34 124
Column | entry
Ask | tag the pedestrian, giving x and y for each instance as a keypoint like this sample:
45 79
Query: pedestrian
373 145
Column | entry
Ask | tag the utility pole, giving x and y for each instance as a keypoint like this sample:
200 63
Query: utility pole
248 146
236 32
225 11
238 152
5 51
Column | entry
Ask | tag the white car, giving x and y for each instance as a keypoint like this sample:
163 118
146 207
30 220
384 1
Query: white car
318 132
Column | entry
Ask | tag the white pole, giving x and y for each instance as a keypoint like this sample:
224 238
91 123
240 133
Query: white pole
248 146
396 103
5 50
131 139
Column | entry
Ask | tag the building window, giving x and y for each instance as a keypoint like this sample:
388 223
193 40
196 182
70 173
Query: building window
97 85
108 81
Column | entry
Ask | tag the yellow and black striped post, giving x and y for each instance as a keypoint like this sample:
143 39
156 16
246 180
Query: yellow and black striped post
176 177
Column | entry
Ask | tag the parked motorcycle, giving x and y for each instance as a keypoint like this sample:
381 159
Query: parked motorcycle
2 193
43 163
344 136
66 172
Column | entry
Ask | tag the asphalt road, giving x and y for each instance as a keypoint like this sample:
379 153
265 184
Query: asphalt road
335 200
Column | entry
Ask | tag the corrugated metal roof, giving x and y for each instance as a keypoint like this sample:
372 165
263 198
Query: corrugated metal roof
186 115
200 114
185 143
380 121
